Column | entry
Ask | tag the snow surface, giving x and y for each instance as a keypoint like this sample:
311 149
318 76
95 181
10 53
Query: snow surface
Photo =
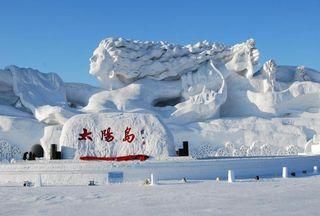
292 196
213 95
149 136
20 132
36 89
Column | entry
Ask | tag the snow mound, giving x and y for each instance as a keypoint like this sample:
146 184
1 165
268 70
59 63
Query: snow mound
115 134
78 94
33 88
54 114
20 133
241 137
300 96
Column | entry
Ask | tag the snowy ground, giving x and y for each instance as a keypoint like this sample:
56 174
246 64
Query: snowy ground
293 196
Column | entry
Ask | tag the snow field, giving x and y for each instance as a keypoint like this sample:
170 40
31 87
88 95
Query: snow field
291 196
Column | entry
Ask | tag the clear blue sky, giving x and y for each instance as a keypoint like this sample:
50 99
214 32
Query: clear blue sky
60 36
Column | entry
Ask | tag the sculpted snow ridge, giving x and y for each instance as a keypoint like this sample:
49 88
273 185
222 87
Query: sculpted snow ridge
34 88
278 98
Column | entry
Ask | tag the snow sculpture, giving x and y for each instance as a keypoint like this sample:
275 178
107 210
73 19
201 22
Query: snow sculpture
118 62
301 74
115 134
203 99
196 97
33 88
270 69
209 94
300 96
199 86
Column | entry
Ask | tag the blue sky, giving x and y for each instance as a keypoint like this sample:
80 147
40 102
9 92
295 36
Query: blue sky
60 36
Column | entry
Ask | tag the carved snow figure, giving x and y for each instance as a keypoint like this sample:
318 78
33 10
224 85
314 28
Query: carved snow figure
118 62
270 69
188 86
301 74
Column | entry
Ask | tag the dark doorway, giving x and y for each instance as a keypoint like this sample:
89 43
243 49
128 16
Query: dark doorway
37 150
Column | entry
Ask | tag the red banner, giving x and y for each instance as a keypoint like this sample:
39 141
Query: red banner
120 158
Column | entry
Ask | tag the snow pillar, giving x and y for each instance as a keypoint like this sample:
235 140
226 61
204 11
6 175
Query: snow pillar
231 176
315 170
284 172
152 179
38 181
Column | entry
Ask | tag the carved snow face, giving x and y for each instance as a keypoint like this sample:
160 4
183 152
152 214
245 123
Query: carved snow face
97 60
101 66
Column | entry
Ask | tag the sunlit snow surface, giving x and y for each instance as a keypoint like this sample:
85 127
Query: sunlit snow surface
295 196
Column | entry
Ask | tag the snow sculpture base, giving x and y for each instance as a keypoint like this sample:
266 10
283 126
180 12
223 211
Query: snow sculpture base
114 135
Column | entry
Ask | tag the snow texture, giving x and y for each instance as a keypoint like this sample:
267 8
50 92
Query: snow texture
146 135
36 89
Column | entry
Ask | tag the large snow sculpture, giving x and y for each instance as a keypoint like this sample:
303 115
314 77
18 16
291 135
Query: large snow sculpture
118 62
199 86
115 134
196 97
209 94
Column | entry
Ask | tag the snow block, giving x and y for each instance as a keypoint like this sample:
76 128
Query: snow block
115 135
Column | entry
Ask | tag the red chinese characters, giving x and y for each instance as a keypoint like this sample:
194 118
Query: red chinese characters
128 137
107 135
85 135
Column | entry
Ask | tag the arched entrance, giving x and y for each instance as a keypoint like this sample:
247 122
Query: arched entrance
37 150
